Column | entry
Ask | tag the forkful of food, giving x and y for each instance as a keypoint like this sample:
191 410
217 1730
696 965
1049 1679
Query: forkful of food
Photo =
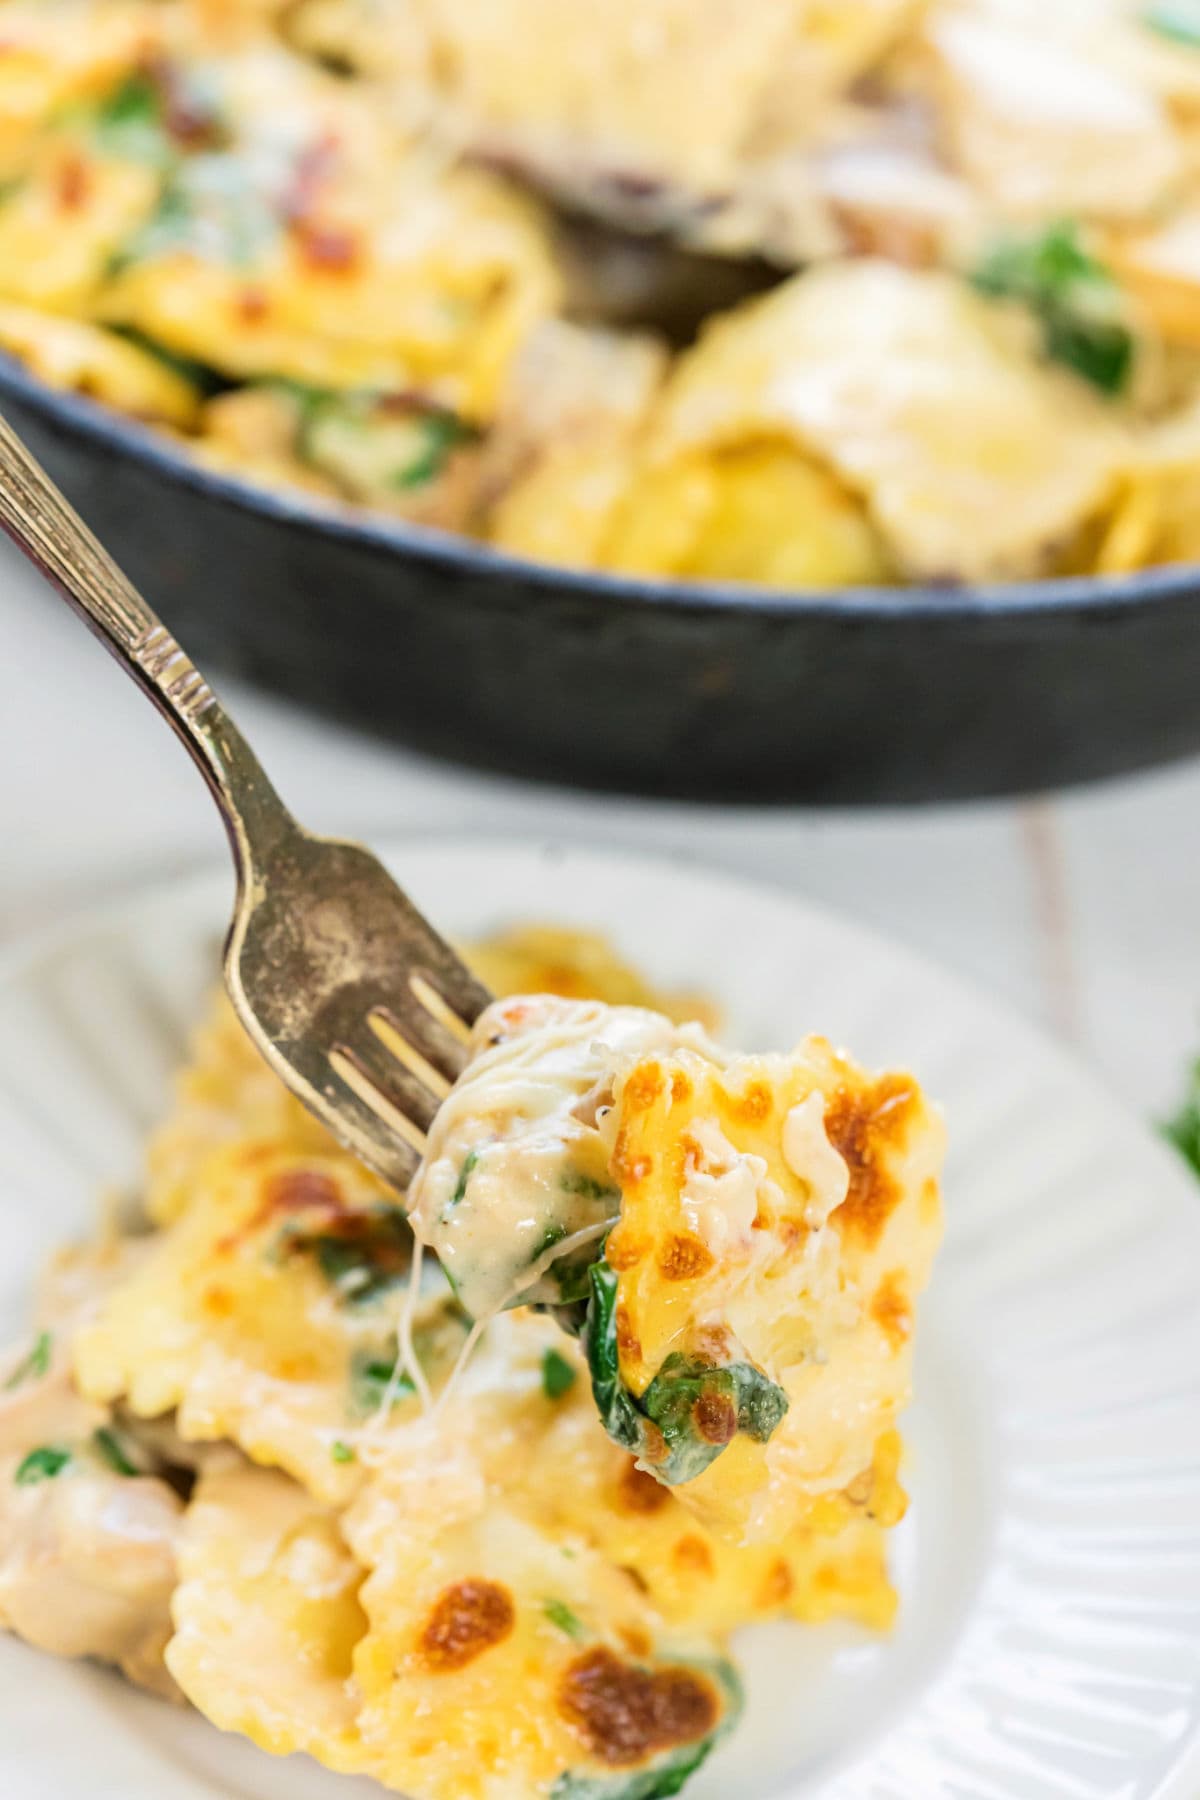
737 1242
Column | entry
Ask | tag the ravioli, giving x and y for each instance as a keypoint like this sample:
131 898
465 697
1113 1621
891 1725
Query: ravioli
739 1242
265 1313
266 1616
552 1663
778 1220
971 457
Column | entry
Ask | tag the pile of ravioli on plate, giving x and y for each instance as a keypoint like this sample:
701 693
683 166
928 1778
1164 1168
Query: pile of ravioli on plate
427 256
245 1458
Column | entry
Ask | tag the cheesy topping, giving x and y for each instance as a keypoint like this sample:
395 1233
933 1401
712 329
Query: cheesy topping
714 1228
216 1472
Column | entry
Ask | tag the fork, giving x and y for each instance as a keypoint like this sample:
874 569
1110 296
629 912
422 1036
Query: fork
346 990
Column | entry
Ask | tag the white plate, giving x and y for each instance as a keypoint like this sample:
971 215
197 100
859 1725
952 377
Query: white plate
1049 1643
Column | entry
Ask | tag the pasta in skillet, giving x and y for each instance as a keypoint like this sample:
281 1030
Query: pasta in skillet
328 246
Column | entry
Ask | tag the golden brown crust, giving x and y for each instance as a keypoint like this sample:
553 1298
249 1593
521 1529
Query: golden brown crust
467 1619
625 1714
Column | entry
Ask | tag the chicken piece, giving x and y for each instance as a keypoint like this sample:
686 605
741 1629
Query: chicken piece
1044 127
87 1538
267 1616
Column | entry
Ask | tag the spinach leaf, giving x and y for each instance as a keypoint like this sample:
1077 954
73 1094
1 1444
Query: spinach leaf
35 1364
558 1375
42 1464
699 1407
618 1413
694 1406
1074 297
362 1255
442 433
573 1181
341 1452
1183 1128
666 1774
1178 20
109 1449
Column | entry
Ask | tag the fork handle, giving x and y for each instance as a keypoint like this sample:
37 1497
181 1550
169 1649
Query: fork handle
52 535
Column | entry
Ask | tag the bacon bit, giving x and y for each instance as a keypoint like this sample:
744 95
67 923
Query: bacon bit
623 1249
73 182
643 1087
681 1087
628 1342
640 1493
625 1714
331 248
683 1258
892 1310
862 1123
777 1586
693 1555
715 1418
467 1619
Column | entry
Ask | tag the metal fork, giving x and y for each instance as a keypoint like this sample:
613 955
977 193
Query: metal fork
350 995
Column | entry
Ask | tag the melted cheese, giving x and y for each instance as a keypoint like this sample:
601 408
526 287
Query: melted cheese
973 457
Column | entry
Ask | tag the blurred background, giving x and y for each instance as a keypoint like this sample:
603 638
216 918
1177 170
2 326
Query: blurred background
767 434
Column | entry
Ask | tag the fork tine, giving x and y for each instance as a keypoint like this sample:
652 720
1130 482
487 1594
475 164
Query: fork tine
433 1040
451 981
402 1091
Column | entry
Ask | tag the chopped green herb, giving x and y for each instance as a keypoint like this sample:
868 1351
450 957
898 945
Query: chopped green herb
561 1616
42 1464
1073 295
108 1449
442 433
587 1187
1183 1129
558 1376
341 1452
371 1376
1178 20
35 1364
470 1164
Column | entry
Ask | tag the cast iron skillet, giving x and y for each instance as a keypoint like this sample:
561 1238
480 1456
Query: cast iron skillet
653 687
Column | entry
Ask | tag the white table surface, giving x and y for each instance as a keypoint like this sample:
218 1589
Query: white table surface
1083 910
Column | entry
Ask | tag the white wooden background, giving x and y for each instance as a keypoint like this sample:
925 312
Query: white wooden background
1083 910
